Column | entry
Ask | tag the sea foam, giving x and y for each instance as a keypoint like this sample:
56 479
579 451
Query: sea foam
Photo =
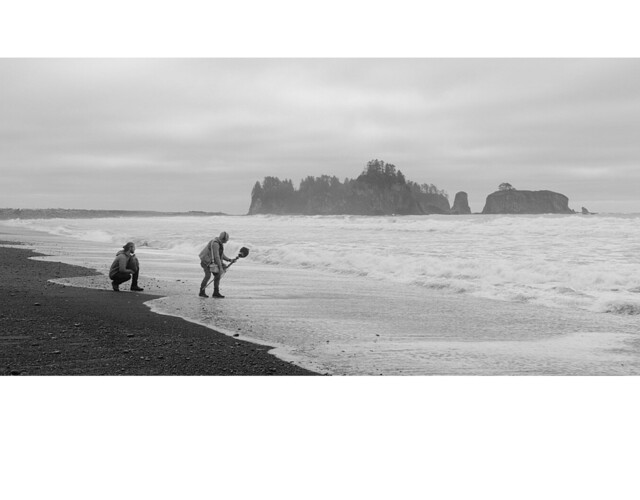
576 262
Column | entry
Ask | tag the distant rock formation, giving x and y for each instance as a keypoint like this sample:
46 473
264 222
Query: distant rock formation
379 190
431 203
586 212
513 201
461 204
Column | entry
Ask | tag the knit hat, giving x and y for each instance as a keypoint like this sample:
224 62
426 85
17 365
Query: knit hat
224 236
129 245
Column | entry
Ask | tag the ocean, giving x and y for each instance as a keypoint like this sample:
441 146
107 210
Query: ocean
405 295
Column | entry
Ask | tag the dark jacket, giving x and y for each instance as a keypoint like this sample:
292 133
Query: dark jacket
121 263
213 253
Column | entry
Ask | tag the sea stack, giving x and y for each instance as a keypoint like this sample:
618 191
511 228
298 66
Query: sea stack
513 201
461 204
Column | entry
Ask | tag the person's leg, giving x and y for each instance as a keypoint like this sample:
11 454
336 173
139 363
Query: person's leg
134 265
205 281
216 286
118 278
121 277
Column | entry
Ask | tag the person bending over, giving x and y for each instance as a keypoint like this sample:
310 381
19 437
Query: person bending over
211 258
125 267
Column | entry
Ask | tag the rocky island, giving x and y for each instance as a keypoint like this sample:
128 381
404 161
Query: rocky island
508 200
460 204
381 189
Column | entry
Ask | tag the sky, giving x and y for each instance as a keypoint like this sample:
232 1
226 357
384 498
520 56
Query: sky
182 134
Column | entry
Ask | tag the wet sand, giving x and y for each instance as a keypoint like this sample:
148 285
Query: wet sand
52 329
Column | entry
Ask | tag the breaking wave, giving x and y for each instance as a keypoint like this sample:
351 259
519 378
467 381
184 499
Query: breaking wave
556 261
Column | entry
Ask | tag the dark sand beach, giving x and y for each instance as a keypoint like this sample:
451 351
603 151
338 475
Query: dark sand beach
51 329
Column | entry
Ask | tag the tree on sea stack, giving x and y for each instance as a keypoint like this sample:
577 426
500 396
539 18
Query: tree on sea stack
381 189
505 186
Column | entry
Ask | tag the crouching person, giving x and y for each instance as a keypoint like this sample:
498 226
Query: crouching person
211 261
125 267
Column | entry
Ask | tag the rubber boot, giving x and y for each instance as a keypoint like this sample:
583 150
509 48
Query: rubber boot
216 293
134 283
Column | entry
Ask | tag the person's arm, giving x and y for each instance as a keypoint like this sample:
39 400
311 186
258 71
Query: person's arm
216 254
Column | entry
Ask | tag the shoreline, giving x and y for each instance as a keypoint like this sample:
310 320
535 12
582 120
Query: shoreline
335 323
52 329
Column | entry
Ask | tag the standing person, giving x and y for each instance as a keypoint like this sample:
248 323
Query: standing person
211 258
124 267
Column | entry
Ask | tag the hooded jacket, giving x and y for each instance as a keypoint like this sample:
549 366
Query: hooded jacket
211 250
119 263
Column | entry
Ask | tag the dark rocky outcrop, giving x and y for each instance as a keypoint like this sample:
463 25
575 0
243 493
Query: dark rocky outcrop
461 204
353 198
379 190
430 203
513 201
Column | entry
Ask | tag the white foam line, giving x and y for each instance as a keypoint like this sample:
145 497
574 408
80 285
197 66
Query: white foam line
280 351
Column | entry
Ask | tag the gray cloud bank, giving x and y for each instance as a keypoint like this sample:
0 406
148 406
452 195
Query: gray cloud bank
196 134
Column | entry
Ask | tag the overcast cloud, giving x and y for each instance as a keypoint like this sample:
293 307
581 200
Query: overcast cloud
196 134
